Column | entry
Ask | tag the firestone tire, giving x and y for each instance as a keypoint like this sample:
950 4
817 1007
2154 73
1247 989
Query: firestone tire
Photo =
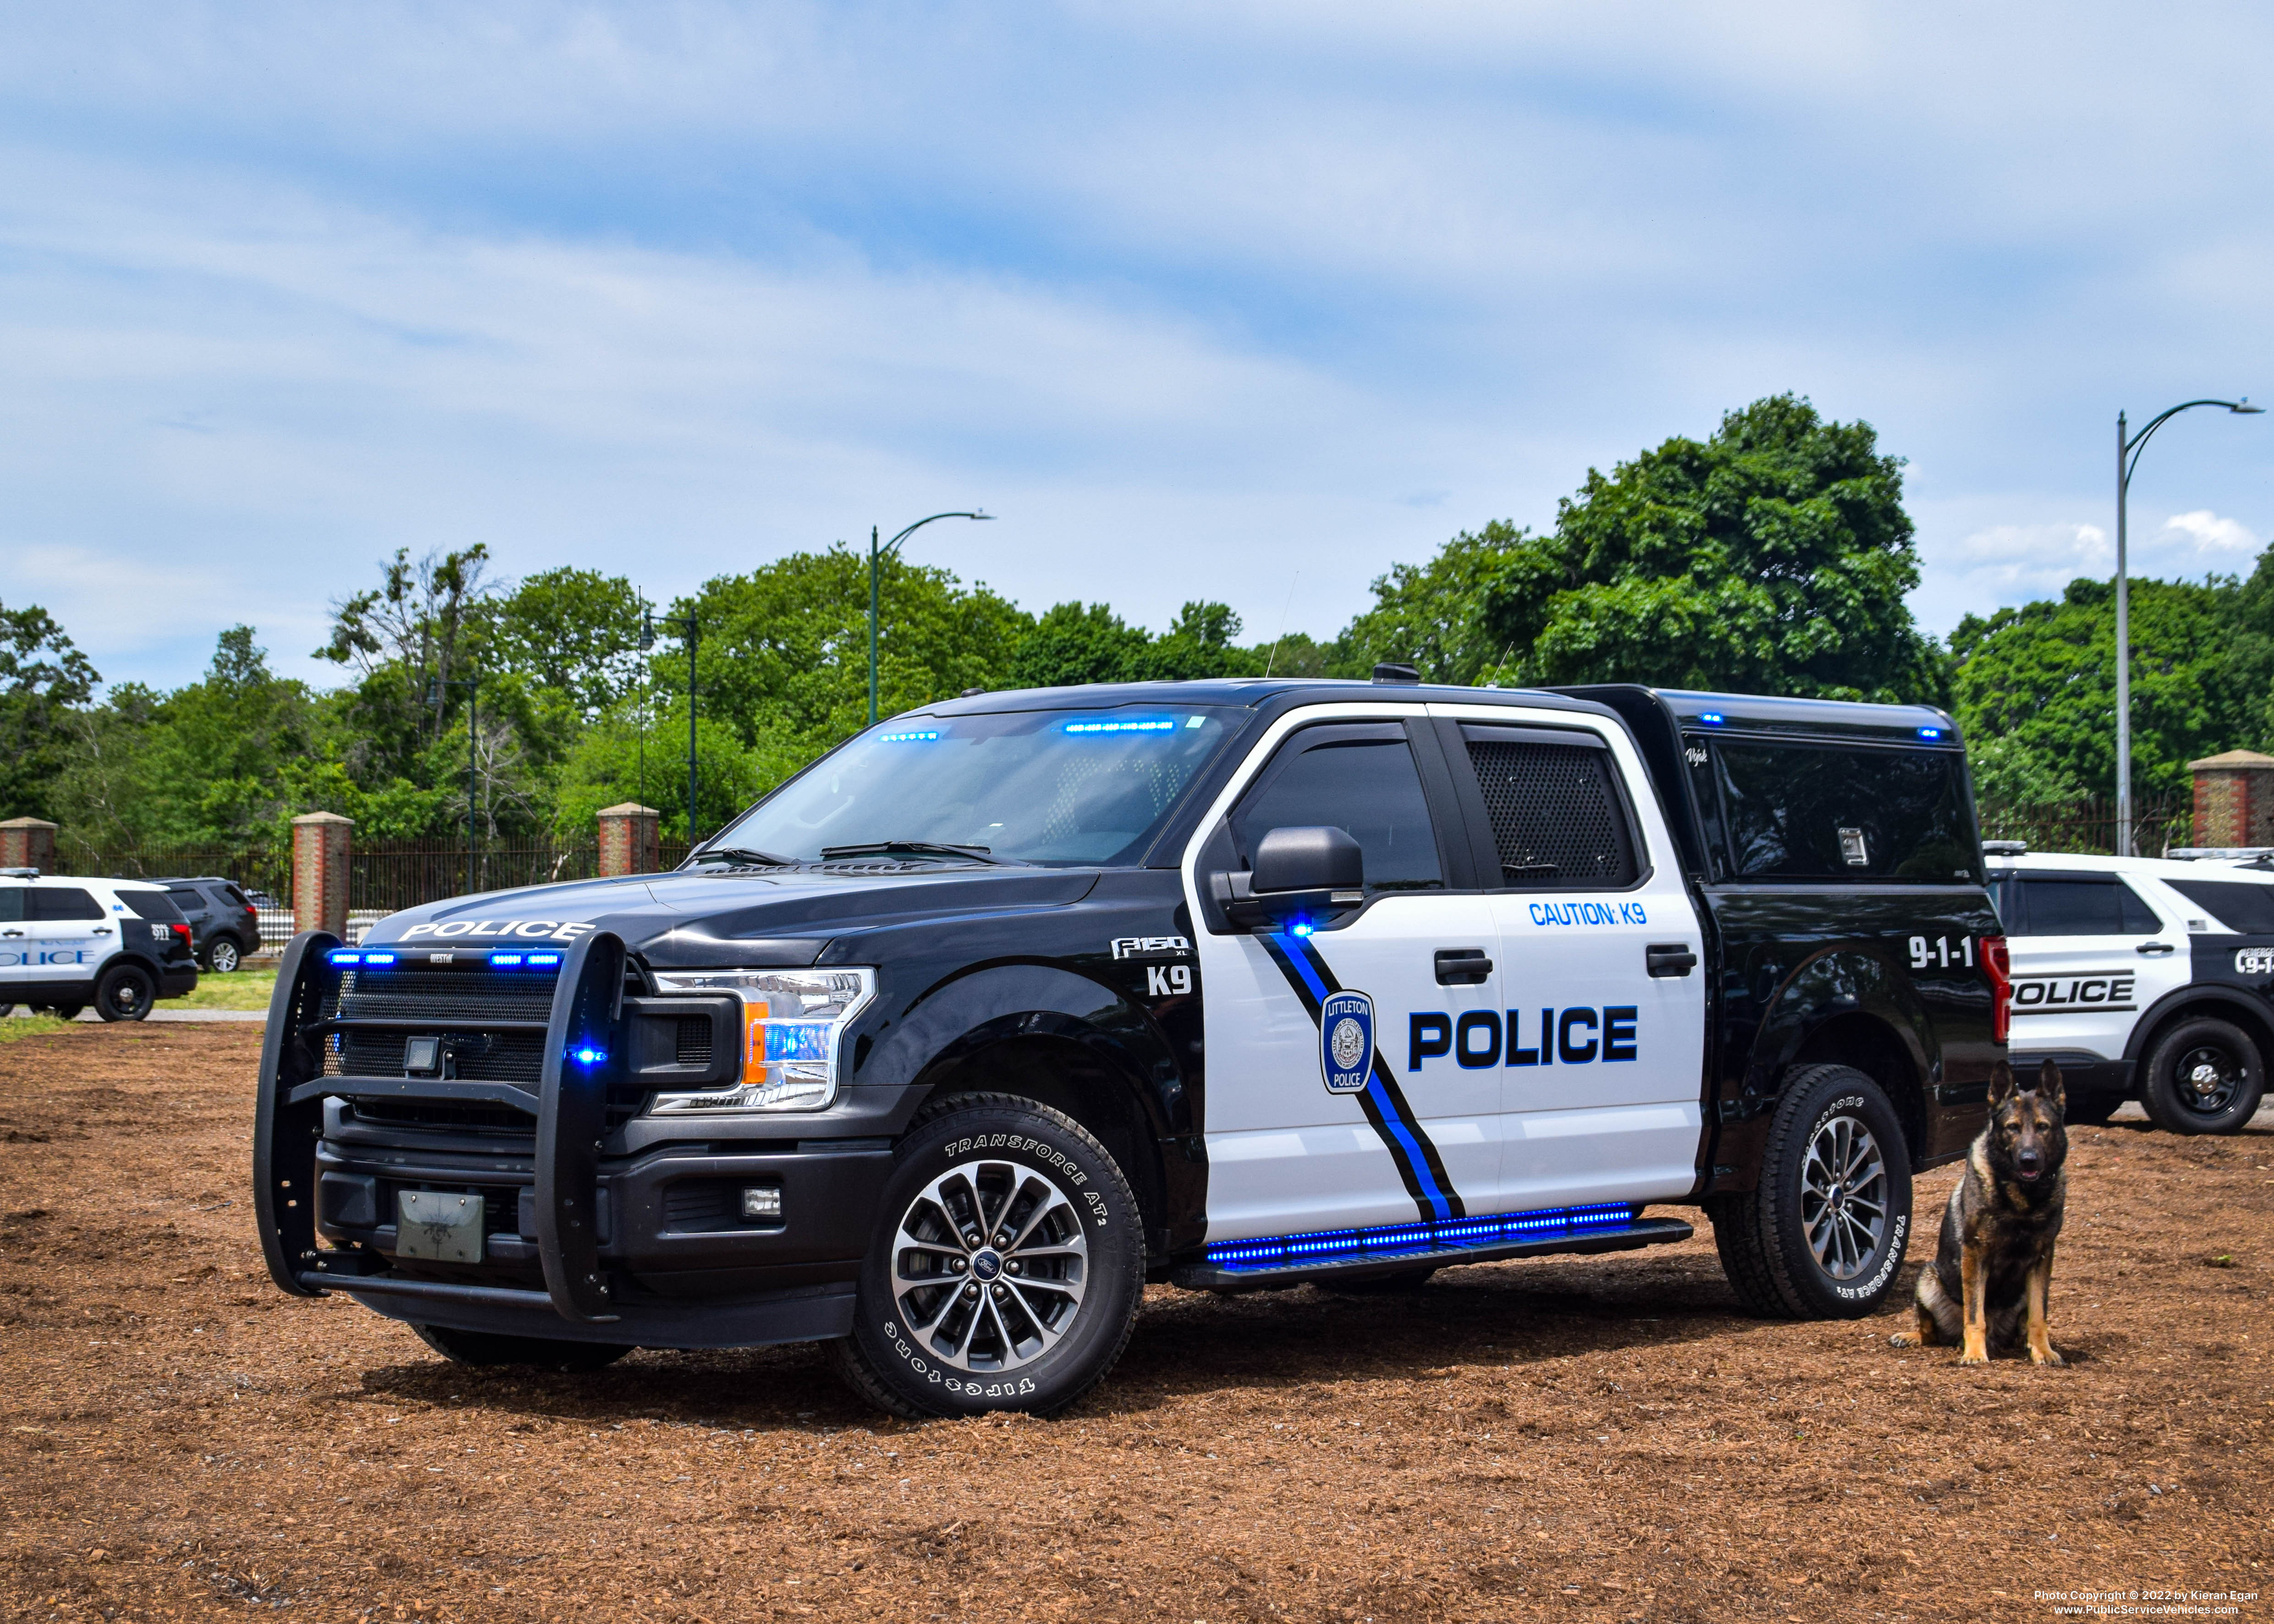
126 993
487 1348
2203 1076
1011 1271
1824 1235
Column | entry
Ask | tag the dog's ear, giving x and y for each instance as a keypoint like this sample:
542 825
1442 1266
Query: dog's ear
2049 1086
2001 1084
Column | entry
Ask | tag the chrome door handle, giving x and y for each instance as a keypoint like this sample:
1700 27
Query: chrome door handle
2155 947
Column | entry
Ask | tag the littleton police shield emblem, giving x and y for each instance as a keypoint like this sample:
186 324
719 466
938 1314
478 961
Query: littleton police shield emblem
1346 1041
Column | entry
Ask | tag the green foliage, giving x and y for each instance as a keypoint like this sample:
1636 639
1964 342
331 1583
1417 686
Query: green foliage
2045 675
612 763
1453 617
42 676
1075 643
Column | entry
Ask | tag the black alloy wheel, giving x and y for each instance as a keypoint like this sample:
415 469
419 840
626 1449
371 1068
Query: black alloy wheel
1824 1235
125 993
2205 1076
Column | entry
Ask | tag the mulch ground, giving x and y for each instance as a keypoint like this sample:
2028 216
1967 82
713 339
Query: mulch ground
1591 1438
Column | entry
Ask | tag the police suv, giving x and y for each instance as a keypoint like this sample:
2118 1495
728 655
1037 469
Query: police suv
1009 1005
66 943
2144 979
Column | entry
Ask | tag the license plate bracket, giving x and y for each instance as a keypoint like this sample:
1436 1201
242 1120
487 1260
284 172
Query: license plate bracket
439 1226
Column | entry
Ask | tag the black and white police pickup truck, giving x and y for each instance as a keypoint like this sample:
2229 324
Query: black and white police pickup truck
66 943
1010 1005
2143 979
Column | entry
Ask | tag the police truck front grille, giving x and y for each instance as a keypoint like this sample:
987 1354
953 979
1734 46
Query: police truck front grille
447 995
1555 814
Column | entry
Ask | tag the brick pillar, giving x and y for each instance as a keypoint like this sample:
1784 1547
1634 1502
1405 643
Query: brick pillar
627 840
27 843
2234 799
319 872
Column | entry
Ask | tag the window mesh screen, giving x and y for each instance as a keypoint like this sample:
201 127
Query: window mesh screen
1555 816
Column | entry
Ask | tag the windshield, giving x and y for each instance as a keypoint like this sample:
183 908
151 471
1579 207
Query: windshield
1038 787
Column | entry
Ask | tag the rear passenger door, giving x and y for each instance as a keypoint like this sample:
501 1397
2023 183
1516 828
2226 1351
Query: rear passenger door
70 932
2089 956
1604 1029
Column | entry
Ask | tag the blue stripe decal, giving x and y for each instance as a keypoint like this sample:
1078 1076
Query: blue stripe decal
1293 948
1397 1125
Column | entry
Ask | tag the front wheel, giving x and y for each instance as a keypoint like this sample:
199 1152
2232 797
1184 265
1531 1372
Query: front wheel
1824 1234
490 1347
125 993
1010 1277
2205 1076
222 957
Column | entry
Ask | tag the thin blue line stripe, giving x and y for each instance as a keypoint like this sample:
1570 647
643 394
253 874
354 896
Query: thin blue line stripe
1420 1164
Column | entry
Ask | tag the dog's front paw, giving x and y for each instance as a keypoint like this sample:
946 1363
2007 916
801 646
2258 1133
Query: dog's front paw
2049 1357
1970 1357
1902 1339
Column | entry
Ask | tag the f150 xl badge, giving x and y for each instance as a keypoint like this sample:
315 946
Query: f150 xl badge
1346 1041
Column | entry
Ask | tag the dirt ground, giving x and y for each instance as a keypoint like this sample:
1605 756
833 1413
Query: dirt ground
1591 1438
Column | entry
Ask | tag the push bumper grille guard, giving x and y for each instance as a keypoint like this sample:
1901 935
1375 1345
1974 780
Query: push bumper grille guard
582 1056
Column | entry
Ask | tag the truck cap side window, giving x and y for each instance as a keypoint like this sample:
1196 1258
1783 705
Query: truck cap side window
2084 907
2237 904
1557 820
1037 786
1362 779
59 902
1799 811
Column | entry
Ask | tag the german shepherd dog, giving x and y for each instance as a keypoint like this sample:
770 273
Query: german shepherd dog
1985 1290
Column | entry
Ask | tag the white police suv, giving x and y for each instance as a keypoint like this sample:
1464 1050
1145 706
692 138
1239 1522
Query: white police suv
67 942
2142 978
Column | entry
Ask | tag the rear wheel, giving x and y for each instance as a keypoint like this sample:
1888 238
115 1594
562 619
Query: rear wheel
1010 1274
222 955
1824 1234
125 993
2205 1076
487 1348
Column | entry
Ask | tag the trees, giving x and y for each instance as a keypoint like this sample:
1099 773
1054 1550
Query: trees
2041 681
42 676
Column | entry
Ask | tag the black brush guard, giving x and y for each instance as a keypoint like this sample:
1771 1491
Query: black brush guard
570 1105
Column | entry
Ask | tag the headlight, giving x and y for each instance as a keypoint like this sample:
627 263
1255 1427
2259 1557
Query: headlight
791 1023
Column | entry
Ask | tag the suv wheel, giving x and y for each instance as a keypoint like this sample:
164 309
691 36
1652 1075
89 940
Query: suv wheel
1010 1274
2205 1076
125 993
544 1352
223 956
1825 1234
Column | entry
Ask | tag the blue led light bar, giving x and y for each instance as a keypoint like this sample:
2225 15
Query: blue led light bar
344 956
912 737
1451 1235
504 959
536 960
379 959
588 1056
1930 733
1155 726
1711 719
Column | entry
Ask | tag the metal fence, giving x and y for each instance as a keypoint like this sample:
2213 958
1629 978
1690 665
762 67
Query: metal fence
2090 826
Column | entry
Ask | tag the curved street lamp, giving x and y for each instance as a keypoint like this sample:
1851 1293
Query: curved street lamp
875 557
2127 458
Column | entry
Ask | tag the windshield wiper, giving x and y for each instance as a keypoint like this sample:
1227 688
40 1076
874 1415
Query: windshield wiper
916 848
741 854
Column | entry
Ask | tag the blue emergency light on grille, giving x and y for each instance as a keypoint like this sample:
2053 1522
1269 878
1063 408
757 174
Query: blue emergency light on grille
1448 1234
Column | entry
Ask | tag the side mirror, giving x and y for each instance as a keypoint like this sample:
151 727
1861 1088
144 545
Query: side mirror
1300 872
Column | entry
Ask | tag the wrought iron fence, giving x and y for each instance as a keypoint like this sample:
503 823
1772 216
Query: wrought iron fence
2090 826
260 868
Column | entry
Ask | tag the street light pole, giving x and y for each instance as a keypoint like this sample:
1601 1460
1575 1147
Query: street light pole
876 558
2127 458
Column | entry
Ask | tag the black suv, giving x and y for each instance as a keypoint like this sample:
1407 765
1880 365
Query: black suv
225 925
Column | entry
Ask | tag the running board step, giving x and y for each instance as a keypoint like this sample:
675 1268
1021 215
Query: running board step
1254 1268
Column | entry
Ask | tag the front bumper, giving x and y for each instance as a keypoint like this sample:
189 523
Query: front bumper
584 1236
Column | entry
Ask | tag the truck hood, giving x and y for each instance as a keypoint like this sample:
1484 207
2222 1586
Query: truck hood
759 919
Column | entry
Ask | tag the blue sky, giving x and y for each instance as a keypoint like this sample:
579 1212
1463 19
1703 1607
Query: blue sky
1241 300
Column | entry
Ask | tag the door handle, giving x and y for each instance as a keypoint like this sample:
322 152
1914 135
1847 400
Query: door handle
2155 947
11 933
1462 966
1669 958
100 930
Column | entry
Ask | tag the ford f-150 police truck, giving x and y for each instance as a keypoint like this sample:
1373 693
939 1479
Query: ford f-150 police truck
1010 1005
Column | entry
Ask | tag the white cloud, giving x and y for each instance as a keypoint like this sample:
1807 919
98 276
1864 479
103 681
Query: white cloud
2213 538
